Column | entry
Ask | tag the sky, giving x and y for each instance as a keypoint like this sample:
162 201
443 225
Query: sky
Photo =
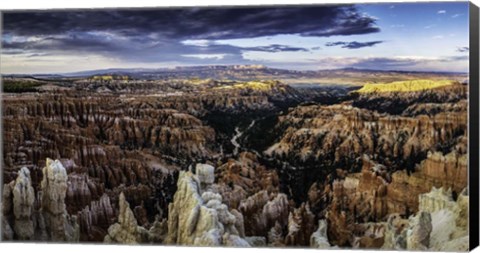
391 36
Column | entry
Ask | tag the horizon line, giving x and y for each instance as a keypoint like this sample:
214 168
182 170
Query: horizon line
259 66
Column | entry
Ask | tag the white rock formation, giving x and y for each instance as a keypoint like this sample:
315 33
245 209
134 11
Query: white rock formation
205 173
23 199
198 217
449 219
59 226
440 224
126 230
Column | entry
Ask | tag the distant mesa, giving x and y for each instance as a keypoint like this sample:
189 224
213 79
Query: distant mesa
405 86
110 77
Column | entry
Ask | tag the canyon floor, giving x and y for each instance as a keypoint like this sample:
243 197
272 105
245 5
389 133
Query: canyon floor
344 159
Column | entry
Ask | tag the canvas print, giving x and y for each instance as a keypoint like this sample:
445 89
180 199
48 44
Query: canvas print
314 126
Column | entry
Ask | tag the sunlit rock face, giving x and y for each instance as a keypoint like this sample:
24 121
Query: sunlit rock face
394 102
198 216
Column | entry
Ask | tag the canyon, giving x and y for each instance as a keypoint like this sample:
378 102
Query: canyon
238 163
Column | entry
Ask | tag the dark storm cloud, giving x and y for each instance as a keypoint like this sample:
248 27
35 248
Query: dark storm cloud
463 49
83 42
353 44
147 50
157 35
197 23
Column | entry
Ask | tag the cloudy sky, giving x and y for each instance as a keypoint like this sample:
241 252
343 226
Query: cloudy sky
391 36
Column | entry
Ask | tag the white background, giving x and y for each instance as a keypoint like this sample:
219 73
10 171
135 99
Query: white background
44 4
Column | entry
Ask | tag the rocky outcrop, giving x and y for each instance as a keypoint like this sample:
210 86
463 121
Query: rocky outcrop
18 208
58 225
437 170
160 118
205 174
439 225
41 215
447 171
449 218
375 193
198 217
126 230
23 208
418 234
